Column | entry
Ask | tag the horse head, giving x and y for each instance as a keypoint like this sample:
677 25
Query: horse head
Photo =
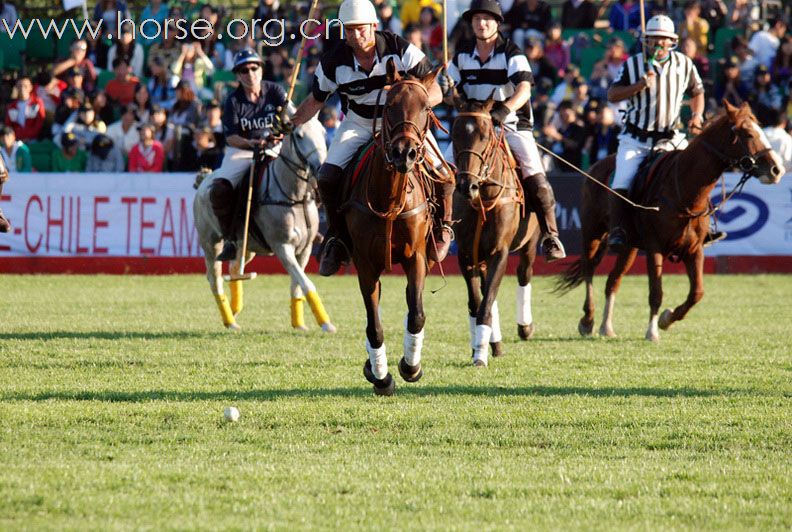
406 118
749 146
473 137
306 146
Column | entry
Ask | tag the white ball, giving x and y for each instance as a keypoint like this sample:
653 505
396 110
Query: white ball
231 413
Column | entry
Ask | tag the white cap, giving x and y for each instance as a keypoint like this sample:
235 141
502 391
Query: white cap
661 26
355 12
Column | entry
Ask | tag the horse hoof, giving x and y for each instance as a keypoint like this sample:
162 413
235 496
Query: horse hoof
233 327
410 373
585 328
525 332
329 328
478 363
666 319
607 333
385 387
653 337
497 349
301 329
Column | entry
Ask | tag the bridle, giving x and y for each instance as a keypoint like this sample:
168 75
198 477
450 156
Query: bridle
488 161
746 163
409 130
302 170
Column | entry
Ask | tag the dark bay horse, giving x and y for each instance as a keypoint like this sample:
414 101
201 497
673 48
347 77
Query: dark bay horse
388 220
681 185
489 205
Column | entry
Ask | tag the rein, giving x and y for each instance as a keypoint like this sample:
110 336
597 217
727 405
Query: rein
484 178
301 170
746 163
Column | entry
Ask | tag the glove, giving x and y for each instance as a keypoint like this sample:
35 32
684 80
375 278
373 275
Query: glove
446 83
282 124
499 113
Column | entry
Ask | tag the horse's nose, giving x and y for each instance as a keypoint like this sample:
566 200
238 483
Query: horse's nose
473 190
775 172
412 155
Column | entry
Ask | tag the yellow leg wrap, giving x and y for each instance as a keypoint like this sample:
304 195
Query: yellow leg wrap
225 310
297 314
236 297
317 308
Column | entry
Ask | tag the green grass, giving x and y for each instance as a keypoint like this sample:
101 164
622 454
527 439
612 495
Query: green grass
112 391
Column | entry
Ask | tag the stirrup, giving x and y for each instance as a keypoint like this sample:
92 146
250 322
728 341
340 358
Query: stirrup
713 237
552 248
617 238
334 255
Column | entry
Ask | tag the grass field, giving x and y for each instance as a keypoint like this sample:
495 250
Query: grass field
112 391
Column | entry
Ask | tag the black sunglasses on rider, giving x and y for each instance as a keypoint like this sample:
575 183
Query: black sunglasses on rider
253 68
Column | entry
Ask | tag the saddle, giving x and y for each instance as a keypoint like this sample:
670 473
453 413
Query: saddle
644 184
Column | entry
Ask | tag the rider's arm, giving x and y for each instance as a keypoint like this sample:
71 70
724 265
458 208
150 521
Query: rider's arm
241 143
617 93
522 94
307 110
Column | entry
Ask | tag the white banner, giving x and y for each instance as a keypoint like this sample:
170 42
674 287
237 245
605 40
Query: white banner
99 215
758 220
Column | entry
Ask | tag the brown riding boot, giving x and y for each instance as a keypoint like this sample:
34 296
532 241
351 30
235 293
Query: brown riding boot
223 201
442 232
539 194
617 235
5 225
334 252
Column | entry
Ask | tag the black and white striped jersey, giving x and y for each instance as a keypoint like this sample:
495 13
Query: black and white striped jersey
658 109
339 71
495 77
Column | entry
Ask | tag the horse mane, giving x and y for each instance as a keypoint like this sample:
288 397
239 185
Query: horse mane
721 118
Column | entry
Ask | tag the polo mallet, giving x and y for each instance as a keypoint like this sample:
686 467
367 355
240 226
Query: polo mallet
445 33
242 276
297 65
643 30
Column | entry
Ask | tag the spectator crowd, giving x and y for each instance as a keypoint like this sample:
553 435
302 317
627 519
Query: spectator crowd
127 103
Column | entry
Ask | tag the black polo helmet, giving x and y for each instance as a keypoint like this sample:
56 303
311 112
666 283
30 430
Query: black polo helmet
491 7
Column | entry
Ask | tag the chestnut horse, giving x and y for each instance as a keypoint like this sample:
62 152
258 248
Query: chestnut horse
389 219
490 207
681 184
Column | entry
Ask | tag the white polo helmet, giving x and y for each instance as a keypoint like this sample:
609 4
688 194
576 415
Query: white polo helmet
355 12
661 26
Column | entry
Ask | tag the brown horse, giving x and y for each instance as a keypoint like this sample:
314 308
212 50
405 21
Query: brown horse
680 185
389 219
490 206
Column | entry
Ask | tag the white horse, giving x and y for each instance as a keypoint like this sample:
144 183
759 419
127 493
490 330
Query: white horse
288 219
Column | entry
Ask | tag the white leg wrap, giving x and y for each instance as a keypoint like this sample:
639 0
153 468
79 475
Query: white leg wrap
413 344
378 359
524 316
496 331
481 343
472 322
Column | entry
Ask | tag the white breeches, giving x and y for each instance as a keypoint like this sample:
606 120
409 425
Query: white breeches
632 152
236 163
523 146
355 131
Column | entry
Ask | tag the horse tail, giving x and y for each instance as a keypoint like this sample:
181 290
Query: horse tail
570 278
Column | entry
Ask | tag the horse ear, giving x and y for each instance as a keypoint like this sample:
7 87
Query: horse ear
730 109
429 79
459 100
391 72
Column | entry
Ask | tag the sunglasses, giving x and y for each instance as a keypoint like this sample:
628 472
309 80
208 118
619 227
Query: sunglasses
247 70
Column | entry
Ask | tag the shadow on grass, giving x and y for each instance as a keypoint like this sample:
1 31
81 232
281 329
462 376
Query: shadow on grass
102 335
365 391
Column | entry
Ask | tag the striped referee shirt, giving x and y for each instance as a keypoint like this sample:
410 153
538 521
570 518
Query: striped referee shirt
658 109
339 71
495 77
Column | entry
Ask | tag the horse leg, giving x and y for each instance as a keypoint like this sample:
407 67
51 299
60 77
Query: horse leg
694 264
473 284
286 254
525 325
496 267
624 262
410 364
214 274
376 367
654 269
589 260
